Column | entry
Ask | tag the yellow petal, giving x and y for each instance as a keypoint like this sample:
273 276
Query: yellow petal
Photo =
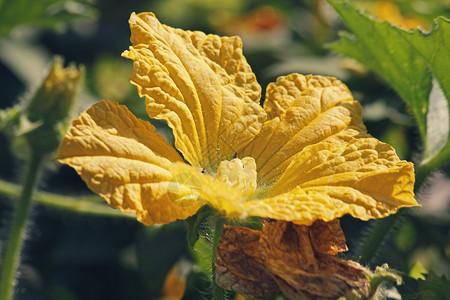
222 196
302 110
123 160
201 84
364 178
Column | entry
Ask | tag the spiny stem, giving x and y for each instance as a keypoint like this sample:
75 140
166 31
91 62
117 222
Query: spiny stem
218 292
377 236
92 205
14 245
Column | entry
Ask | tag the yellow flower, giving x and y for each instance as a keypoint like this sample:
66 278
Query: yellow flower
304 156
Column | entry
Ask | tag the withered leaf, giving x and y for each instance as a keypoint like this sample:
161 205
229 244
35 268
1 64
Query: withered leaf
301 272
295 260
239 267
327 237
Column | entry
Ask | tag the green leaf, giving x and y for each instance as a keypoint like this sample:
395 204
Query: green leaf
434 47
437 147
414 63
43 13
194 224
380 47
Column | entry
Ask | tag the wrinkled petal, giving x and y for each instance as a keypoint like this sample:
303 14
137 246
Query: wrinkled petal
302 110
201 84
303 273
364 178
239 266
196 185
122 159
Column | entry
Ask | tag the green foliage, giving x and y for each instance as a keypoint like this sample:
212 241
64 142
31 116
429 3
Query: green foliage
433 287
434 47
381 48
43 13
9 117
408 61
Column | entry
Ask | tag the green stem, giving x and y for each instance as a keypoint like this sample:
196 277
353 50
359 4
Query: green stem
378 234
14 245
92 204
218 292
422 174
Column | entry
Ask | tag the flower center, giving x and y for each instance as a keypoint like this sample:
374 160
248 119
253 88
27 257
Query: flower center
239 173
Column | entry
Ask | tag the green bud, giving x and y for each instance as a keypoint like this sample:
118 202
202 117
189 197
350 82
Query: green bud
378 279
49 108
57 95
9 118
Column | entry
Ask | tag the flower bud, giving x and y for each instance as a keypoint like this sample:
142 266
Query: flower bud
50 107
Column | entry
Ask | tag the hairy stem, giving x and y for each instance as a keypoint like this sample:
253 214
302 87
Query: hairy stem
15 241
92 204
218 292
376 237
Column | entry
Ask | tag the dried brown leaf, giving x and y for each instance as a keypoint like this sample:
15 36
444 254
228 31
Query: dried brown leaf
301 272
295 260
239 266
327 237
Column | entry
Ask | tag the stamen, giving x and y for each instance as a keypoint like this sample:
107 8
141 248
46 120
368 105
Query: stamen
239 173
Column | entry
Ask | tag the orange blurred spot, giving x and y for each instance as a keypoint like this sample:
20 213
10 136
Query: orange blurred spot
388 11
175 284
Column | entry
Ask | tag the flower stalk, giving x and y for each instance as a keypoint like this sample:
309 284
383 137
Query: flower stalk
218 292
376 237
89 204
17 233
41 123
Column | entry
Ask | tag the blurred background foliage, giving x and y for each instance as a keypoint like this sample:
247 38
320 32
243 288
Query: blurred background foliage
72 255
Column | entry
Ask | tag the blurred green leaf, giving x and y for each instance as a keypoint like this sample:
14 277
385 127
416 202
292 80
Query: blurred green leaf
8 118
43 13
418 271
434 287
404 59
